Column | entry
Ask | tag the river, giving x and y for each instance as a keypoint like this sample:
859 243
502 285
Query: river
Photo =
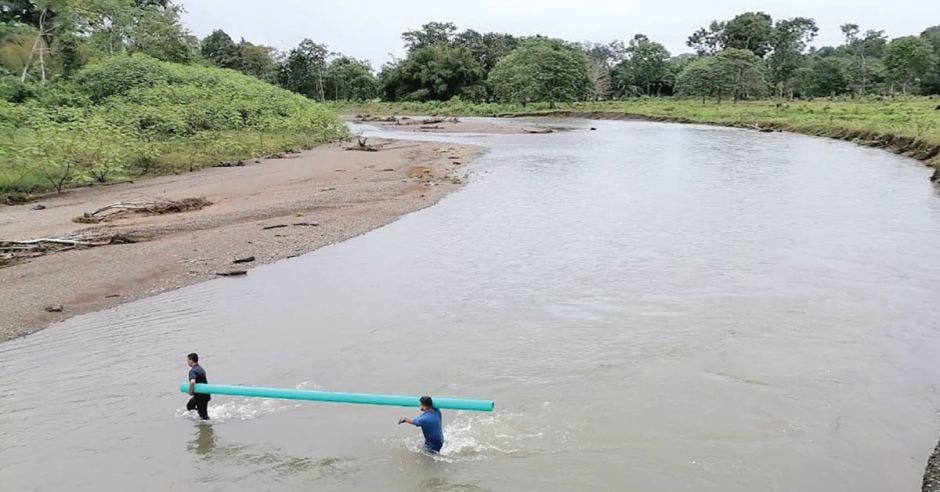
651 306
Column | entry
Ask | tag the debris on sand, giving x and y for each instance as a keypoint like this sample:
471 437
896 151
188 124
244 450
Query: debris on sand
13 251
363 146
122 209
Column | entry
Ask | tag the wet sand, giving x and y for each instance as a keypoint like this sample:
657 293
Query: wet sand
313 199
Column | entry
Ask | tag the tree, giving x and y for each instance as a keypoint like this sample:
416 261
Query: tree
348 79
789 41
436 72
430 34
749 31
734 72
302 70
257 60
698 78
823 76
739 73
600 80
487 48
646 66
219 49
129 26
707 41
908 60
863 50
931 83
607 55
541 70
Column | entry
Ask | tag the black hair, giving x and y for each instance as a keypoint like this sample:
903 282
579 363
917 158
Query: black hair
427 401
193 357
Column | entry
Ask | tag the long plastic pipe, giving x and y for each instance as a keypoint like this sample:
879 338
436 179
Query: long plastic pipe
357 398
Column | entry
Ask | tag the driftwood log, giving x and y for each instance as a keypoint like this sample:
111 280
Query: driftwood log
12 252
120 209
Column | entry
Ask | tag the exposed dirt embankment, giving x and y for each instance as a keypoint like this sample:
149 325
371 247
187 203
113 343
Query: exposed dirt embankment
910 147
108 245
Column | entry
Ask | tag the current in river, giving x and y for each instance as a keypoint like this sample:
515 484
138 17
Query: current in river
652 307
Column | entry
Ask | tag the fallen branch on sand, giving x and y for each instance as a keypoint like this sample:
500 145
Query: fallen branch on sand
13 251
363 146
120 209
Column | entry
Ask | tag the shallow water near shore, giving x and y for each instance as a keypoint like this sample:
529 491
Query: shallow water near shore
651 306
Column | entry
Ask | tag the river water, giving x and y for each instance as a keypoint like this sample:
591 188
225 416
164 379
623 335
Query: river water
652 307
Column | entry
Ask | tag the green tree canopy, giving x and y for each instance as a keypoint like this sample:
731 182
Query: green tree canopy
348 79
437 72
909 60
257 60
646 68
733 72
430 34
219 49
751 31
303 69
789 42
541 70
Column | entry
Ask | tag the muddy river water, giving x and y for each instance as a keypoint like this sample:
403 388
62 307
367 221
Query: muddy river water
652 307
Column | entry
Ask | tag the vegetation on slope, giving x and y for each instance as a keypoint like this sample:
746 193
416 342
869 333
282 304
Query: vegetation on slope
127 116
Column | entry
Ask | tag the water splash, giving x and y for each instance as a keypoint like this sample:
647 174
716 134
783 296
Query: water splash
472 437
246 408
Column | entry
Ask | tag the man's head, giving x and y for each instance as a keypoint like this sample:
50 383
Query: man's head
426 403
192 359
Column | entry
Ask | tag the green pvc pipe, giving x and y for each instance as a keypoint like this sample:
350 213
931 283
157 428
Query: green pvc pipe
357 398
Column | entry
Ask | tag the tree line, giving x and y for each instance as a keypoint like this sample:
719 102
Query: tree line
748 56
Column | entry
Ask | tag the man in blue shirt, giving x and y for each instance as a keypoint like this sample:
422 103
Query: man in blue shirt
431 423
200 401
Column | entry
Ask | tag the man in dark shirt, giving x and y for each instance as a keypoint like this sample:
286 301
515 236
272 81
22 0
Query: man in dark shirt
431 423
200 401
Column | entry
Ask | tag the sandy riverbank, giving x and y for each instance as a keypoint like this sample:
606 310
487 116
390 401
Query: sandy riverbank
312 199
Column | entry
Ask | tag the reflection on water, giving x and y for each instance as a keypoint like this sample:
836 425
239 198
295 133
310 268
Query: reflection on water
651 306
204 441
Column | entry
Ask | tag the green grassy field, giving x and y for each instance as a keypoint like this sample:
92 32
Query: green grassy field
910 126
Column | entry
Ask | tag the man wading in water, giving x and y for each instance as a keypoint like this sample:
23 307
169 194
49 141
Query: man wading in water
431 423
198 402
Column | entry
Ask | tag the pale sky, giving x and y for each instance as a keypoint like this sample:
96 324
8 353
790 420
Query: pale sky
372 29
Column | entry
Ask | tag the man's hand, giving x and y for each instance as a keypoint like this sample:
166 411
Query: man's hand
404 421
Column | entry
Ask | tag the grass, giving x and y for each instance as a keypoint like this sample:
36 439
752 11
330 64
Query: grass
907 125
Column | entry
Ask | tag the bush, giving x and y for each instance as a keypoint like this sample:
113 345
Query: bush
119 74
14 91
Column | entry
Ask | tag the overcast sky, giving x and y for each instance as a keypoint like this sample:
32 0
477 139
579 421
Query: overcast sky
372 29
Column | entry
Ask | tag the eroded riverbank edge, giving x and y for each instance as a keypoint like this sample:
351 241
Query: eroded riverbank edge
268 210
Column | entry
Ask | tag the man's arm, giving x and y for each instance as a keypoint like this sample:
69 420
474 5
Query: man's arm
406 420
192 387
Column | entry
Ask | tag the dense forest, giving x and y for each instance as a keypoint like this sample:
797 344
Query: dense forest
103 90
749 56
